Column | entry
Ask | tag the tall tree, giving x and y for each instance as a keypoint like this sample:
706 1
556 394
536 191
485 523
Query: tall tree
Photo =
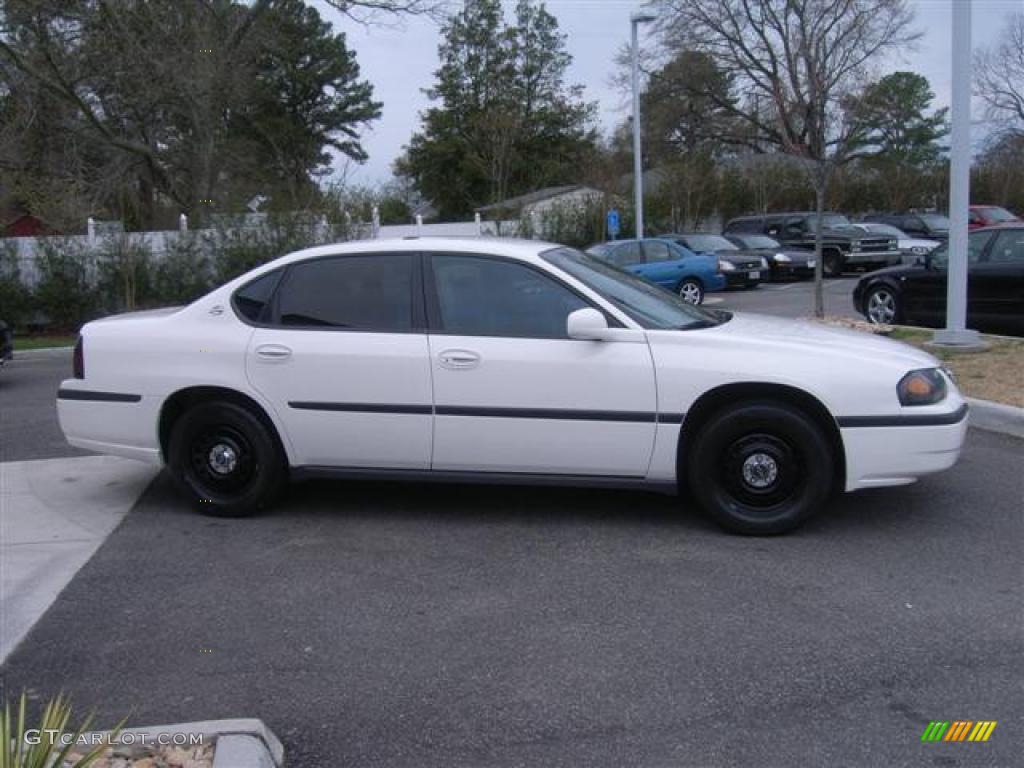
505 120
999 76
903 139
797 67
190 101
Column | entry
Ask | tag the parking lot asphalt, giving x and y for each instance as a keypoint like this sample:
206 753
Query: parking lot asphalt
412 625
790 299
392 625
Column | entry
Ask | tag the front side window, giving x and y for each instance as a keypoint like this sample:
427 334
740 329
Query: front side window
478 296
650 306
371 292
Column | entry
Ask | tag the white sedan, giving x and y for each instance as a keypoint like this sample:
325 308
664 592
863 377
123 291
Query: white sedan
503 361
911 248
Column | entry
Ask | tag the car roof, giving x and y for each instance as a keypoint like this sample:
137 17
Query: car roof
516 248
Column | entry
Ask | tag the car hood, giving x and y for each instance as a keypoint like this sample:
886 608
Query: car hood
813 339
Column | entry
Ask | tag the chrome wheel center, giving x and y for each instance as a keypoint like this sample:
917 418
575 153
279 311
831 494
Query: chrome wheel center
760 470
223 459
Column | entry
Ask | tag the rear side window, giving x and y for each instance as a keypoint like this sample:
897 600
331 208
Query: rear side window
655 252
251 299
370 292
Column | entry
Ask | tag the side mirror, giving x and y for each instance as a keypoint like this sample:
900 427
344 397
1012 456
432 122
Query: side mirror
587 324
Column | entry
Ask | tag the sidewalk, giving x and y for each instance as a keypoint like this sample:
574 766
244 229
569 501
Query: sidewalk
54 514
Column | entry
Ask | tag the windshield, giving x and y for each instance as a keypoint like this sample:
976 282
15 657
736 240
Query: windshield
884 229
707 243
646 303
758 241
997 214
935 221
828 221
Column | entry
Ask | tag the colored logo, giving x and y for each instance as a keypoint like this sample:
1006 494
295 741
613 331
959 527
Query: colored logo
958 730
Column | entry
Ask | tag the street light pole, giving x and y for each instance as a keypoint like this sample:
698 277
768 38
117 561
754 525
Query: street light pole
956 332
635 21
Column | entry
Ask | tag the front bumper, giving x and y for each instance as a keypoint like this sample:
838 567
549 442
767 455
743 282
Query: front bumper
897 450
744 278
889 258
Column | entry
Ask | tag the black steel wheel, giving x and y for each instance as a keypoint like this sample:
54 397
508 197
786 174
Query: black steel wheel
760 467
832 263
226 459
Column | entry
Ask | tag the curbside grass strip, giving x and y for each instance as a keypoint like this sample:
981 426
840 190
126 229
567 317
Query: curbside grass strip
996 417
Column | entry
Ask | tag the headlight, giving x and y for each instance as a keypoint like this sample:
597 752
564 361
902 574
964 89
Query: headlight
782 258
919 250
725 266
922 387
764 263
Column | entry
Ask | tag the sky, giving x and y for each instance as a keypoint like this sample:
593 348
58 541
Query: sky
400 59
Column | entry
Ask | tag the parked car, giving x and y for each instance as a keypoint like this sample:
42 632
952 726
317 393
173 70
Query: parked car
844 247
665 263
916 295
910 247
6 343
503 361
741 270
783 262
930 226
989 215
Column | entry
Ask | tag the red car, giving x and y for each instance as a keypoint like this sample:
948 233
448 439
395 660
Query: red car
987 215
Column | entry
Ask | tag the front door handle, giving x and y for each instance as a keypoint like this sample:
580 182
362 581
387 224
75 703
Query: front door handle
459 359
273 353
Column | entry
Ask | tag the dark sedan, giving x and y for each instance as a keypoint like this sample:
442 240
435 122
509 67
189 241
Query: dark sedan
916 294
783 263
740 269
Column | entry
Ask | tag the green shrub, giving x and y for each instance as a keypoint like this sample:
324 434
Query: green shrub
182 274
15 298
124 273
17 737
64 292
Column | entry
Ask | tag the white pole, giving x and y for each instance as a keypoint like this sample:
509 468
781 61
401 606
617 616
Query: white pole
479 224
956 332
90 229
376 222
183 223
419 224
638 181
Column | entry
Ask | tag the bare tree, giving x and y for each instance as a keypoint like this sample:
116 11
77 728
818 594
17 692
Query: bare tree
999 76
797 67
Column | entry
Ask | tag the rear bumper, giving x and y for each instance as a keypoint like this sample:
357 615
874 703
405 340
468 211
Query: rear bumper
901 452
114 423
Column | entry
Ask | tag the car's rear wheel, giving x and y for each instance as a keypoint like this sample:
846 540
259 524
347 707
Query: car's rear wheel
832 263
226 459
691 291
882 305
760 467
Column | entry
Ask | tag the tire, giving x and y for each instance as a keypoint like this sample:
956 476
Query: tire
691 291
882 305
226 460
832 263
760 468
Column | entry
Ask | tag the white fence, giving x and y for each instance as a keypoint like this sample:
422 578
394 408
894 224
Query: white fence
157 243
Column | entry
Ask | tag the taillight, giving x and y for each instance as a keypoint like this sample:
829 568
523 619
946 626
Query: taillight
78 361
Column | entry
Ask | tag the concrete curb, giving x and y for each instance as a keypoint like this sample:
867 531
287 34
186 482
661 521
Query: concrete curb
241 743
996 417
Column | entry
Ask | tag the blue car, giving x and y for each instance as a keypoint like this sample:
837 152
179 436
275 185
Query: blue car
668 264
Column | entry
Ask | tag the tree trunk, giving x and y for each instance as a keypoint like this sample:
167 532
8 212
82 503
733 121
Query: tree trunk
820 183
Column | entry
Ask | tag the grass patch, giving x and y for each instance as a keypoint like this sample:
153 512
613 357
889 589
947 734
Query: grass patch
22 343
994 374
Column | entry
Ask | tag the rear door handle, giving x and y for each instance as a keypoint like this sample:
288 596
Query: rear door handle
459 359
273 353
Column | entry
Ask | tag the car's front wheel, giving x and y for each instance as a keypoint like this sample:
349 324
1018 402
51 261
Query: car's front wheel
691 291
226 459
760 467
832 263
882 305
